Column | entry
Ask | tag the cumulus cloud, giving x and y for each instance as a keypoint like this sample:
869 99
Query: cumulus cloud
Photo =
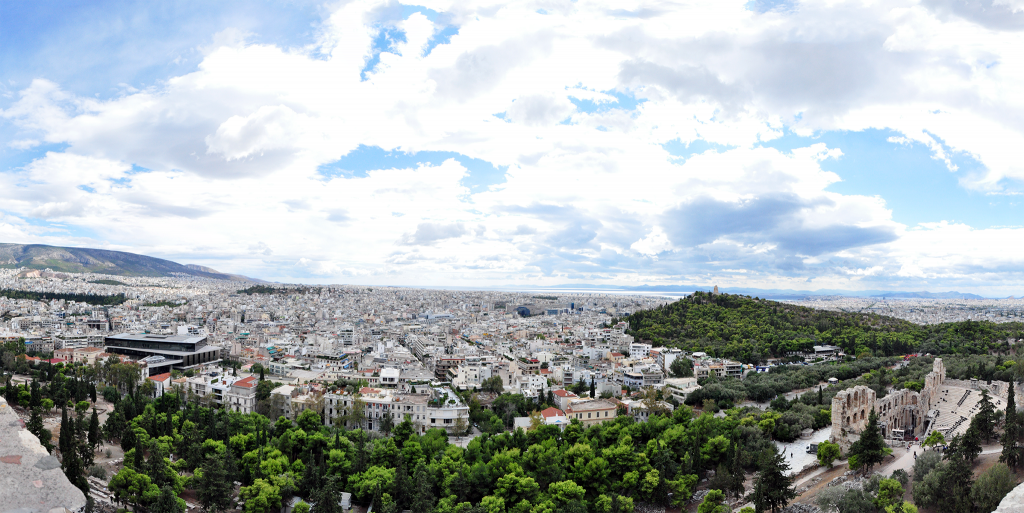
576 107
429 233
269 128
261 248
540 110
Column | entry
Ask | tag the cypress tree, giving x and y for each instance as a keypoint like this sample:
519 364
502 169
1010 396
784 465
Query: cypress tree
35 423
64 442
402 485
140 459
94 430
1011 432
128 439
35 399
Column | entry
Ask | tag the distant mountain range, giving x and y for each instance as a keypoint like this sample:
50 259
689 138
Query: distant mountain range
782 294
101 261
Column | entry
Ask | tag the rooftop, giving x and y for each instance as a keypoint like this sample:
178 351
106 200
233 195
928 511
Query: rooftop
155 337
598 404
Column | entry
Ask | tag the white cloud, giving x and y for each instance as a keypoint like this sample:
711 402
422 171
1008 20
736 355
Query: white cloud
229 153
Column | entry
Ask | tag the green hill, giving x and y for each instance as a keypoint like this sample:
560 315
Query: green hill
752 330
101 261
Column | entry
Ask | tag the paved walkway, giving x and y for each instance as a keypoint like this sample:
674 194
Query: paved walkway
905 458
817 472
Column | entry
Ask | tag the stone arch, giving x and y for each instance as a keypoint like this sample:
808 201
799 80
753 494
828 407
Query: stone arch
856 398
847 420
913 400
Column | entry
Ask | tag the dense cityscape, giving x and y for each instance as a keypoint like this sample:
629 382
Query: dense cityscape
924 311
467 364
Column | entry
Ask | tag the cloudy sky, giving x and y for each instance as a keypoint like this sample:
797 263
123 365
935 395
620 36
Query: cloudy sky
803 145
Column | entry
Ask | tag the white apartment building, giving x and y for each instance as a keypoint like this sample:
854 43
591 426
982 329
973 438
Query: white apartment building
284 366
440 408
679 388
665 357
563 398
642 378
230 392
721 368
639 350
347 335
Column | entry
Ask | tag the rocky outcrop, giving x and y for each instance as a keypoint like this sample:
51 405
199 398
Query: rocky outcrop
31 480
1013 502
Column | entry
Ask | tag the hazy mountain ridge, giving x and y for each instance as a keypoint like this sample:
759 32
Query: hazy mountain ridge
772 293
100 261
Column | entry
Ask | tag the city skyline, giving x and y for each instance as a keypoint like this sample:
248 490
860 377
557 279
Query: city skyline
771 145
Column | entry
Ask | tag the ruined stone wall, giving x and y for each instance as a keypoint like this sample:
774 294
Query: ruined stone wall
901 409
932 382
850 409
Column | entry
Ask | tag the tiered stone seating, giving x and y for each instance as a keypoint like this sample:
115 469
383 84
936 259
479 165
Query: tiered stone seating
954 418
964 398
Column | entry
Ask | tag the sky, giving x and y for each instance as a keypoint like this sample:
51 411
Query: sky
857 145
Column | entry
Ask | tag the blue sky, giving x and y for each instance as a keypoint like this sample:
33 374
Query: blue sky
460 144
90 48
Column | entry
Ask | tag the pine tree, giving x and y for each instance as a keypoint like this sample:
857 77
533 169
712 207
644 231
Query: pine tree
955 477
986 417
214 487
312 478
328 498
870 449
1011 432
773 488
168 502
423 496
967 445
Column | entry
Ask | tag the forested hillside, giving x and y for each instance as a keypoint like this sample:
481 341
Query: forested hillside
752 330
